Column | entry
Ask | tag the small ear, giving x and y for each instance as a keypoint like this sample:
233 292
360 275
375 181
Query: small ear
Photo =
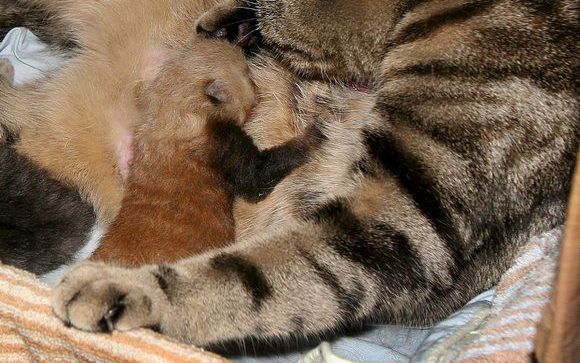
218 92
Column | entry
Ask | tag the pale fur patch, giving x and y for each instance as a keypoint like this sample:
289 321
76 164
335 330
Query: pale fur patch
154 59
52 278
124 149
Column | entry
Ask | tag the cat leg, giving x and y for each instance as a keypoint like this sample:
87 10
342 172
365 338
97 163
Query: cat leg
231 294
252 173
315 279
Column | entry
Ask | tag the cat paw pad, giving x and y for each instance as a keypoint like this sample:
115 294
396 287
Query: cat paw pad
98 298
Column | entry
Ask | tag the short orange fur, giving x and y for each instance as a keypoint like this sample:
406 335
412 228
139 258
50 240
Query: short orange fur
176 204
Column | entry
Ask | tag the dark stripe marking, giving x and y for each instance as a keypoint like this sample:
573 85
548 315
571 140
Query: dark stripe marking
377 246
349 303
166 278
250 275
545 76
423 28
458 137
413 176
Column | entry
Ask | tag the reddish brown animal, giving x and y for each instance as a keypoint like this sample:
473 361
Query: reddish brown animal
177 204
192 158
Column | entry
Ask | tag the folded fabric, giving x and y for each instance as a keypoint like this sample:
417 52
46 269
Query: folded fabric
507 332
29 56
30 332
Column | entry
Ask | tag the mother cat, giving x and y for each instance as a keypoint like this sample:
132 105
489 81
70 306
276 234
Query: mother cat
421 196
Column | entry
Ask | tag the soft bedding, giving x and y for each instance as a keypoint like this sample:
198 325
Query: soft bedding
29 57
30 332
497 326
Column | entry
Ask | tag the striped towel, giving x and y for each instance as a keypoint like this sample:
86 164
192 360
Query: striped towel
29 332
507 335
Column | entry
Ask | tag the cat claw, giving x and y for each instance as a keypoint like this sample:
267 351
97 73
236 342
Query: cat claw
107 323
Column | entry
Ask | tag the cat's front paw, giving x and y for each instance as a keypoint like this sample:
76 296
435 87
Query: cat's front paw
100 298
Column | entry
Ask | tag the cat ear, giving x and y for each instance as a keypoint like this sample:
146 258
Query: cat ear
218 91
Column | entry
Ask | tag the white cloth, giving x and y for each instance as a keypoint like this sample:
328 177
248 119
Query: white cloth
28 55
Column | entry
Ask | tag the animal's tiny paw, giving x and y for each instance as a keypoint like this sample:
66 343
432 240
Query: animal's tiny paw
100 298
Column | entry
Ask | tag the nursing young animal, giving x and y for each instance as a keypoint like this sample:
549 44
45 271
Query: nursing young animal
418 200
189 154
67 139
70 134
69 145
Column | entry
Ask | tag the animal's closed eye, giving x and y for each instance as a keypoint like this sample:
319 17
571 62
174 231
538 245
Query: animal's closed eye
218 92
235 24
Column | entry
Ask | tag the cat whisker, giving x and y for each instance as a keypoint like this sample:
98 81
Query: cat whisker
245 37
238 22
244 8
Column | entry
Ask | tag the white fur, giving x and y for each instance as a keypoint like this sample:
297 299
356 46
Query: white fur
93 242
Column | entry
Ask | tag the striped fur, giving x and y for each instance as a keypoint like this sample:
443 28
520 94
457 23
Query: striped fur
419 199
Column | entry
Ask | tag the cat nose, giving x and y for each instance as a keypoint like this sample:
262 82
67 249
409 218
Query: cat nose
238 26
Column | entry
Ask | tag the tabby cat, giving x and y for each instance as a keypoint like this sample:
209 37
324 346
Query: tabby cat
461 149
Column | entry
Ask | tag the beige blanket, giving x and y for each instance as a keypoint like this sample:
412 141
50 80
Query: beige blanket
29 332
